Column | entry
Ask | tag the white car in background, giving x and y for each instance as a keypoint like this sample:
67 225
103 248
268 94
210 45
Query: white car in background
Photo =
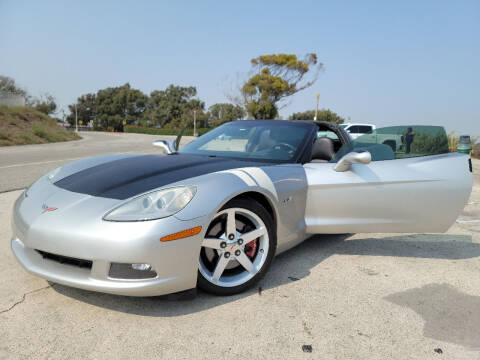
356 130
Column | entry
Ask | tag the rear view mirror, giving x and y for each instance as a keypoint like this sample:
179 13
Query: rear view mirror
167 145
346 161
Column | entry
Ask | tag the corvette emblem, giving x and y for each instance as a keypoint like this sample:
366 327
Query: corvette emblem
48 208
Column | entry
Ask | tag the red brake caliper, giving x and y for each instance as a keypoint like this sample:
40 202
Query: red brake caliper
252 248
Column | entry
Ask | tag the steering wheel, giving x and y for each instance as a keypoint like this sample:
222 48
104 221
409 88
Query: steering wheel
285 147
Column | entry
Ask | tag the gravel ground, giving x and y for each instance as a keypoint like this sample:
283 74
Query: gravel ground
361 296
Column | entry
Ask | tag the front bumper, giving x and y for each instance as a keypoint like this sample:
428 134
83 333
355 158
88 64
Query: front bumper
102 243
96 278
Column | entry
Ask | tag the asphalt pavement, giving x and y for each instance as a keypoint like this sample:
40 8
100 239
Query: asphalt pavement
353 296
21 165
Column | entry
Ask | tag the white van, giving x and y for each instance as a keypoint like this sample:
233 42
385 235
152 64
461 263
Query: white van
356 130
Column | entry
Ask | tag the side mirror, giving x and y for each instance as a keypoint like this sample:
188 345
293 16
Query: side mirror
353 158
167 145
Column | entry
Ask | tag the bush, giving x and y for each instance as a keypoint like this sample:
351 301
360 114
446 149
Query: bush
155 131
40 132
428 144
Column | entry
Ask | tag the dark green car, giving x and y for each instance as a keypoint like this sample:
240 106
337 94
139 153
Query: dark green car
464 144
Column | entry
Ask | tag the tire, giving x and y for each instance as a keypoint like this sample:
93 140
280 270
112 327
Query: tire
220 274
392 144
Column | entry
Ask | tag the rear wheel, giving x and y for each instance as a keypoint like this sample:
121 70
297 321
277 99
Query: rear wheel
392 144
238 248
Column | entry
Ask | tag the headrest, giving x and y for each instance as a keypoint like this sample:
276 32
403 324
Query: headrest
323 149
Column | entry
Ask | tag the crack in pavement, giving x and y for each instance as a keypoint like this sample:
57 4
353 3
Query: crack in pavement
23 299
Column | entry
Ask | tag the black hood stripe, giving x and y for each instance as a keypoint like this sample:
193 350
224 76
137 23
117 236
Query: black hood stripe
124 178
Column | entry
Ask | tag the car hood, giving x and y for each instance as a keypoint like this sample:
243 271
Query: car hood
126 177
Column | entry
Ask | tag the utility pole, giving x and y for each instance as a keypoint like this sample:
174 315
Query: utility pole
194 122
76 118
316 109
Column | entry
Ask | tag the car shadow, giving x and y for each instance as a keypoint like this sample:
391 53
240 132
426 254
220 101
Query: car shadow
292 265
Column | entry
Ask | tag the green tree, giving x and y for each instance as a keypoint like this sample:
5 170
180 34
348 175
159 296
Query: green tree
173 106
86 110
197 106
46 104
7 84
120 105
114 107
111 108
323 115
277 77
223 112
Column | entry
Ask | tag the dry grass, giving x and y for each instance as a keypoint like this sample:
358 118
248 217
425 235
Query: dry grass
476 151
22 125
452 141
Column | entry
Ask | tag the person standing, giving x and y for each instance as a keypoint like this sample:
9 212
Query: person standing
409 139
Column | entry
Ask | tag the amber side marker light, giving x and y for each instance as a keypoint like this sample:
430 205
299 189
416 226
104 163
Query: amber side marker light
182 234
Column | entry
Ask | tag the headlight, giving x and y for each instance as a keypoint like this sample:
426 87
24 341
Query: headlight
154 205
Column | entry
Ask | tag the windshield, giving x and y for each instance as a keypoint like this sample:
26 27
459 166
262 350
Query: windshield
251 139
343 126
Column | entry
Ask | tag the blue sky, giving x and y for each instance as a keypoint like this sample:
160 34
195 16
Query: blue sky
403 62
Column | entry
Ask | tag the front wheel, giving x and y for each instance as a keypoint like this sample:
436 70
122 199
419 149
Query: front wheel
238 248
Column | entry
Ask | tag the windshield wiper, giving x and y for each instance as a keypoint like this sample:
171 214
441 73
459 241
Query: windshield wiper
179 137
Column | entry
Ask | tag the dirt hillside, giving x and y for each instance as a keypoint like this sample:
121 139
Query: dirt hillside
23 125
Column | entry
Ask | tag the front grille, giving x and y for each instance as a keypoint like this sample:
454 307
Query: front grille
87 264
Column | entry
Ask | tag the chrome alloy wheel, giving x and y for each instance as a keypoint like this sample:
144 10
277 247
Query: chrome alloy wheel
235 247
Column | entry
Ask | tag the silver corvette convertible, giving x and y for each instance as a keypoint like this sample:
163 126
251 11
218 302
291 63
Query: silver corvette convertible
214 213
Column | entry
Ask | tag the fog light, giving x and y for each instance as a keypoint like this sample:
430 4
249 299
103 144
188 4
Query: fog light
142 267
131 271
